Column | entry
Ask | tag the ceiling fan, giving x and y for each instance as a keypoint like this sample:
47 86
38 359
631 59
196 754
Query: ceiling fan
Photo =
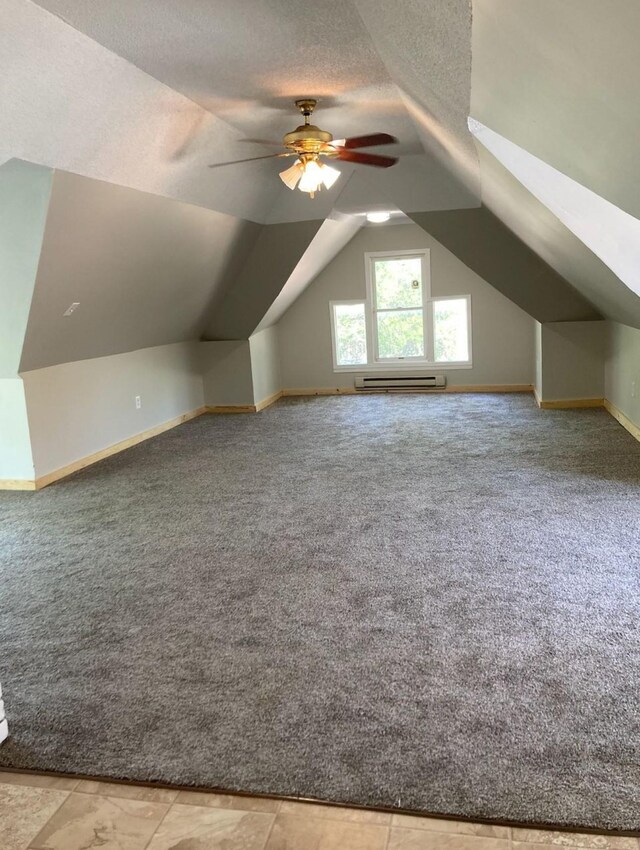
311 145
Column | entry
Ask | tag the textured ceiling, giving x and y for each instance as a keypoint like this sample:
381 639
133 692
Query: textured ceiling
248 61
146 94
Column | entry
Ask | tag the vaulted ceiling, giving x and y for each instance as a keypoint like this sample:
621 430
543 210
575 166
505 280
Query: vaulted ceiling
146 95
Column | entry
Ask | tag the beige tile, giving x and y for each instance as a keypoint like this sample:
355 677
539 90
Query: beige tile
24 811
425 839
203 828
316 810
528 839
87 820
228 801
33 780
128 792
292 832
455 826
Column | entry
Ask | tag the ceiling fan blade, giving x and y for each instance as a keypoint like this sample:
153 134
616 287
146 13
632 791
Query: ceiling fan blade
370 141
366 158
251 159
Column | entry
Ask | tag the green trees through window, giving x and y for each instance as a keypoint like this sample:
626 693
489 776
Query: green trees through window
398 295
350 333
450 330
399 321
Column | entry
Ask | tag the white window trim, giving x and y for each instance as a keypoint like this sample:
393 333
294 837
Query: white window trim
407 363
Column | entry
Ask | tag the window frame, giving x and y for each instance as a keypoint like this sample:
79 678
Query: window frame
400 364
371 307
350 367
452 364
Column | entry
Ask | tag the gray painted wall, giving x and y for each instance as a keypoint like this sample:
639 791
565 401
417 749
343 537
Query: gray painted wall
144 269
327 243
488 247
275 254
76 409
24 199
16 459
572 360
226 372
265 364
622 370
503 335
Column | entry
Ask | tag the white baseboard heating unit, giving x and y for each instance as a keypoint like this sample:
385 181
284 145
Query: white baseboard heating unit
385 382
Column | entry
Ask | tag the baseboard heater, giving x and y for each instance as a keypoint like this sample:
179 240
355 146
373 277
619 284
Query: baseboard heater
372 382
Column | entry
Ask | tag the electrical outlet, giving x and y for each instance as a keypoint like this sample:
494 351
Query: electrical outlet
71 308
138 402
634 389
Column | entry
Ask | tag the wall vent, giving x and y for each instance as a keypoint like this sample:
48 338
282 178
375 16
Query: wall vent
379 382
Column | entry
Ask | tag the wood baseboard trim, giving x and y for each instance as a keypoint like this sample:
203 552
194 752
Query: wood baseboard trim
17 484
489 388
231 408
77 465
319 391
268 401
246 408
568 403
463 388
624 420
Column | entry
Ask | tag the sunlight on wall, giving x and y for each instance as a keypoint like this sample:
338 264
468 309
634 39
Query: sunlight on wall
612 234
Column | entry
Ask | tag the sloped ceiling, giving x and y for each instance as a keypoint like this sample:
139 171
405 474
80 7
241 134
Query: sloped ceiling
270 263
489 248
329 240
143 269
560 79
559 82
24 199
562 219
145 95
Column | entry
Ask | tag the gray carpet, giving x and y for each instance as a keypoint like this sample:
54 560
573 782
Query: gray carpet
430 602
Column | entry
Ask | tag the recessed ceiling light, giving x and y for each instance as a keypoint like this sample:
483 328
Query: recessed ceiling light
378 217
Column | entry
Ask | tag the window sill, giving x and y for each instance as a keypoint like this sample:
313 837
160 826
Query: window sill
406 366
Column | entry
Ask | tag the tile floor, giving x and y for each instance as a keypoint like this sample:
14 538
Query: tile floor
48 813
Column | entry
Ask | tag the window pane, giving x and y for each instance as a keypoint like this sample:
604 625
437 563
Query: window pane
350 334
451 336
400 334
398 283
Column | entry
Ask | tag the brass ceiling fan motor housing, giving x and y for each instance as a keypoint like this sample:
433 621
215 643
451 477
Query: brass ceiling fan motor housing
307 138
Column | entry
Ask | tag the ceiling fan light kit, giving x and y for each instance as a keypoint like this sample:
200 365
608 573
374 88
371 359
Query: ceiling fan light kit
310 144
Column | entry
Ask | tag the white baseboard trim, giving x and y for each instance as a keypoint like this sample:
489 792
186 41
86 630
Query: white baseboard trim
77 465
